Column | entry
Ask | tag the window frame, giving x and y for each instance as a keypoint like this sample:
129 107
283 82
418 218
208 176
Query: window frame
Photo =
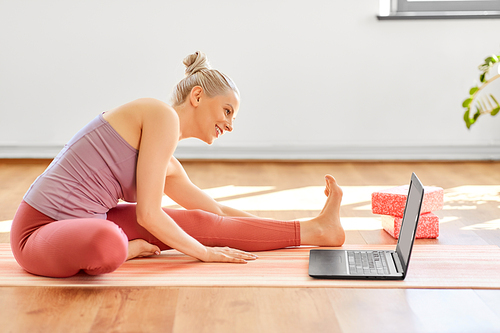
407 9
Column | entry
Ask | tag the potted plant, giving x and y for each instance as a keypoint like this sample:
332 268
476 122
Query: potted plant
480 99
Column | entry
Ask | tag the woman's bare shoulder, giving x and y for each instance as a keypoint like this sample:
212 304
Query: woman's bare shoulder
152 105
137 110
144 105
128 119
150 102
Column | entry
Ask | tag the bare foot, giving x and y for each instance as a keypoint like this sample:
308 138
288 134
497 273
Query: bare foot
141 248
325 229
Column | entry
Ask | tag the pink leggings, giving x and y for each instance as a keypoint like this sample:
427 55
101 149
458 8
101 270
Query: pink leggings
47 247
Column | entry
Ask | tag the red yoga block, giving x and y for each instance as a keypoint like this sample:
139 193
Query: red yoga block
392 201
428 226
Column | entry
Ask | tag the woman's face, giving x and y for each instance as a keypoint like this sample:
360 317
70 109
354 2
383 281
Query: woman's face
215 115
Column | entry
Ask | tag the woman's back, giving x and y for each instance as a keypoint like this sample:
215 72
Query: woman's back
88 177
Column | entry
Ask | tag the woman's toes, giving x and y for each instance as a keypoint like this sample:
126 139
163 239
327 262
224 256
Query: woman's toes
332 187
149 250
141 248
330 178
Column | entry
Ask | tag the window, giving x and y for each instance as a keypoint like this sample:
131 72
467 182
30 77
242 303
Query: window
426 9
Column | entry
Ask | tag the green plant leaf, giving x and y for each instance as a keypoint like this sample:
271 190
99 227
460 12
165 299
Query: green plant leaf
482 105
467 119
476 115
467 102
479 107
494 99
473 90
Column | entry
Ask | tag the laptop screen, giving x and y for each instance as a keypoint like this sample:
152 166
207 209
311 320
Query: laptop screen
410 220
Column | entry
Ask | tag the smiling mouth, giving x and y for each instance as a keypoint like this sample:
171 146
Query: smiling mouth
218 131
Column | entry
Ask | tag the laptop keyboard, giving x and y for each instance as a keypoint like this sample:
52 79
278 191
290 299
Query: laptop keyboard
367 262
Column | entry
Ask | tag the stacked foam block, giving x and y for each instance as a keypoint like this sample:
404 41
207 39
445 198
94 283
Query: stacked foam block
390 204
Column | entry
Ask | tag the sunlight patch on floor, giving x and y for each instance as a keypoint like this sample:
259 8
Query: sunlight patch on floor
360 194
224 192
361 223
459 207
364 207
5 225
490 225
357 223
313 198
477 194
232 190
305 198
447 219
302 198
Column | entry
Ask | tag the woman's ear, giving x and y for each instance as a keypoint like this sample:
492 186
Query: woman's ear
195 96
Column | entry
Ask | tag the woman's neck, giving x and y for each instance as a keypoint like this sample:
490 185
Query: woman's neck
185 114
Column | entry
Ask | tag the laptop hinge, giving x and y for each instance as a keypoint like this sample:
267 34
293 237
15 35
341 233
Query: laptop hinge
397 262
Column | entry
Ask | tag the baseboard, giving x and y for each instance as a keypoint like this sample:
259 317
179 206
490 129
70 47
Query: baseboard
403 153
333 153
26 151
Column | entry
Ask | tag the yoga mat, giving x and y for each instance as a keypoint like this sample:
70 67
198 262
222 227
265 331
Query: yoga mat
431 266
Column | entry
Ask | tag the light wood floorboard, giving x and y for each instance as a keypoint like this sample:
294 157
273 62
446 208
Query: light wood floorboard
471 219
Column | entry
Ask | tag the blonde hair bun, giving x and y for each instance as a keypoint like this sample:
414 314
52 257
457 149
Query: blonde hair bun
196 62
199 73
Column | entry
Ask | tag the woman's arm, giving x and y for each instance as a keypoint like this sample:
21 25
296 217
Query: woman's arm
159 136
179 188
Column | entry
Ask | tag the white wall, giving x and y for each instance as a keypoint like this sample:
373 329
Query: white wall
319 79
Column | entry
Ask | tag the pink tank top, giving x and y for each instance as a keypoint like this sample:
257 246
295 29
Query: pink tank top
87 178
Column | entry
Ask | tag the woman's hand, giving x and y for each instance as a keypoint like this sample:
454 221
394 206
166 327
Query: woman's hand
226 254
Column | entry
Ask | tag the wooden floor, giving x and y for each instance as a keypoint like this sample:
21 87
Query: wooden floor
471 216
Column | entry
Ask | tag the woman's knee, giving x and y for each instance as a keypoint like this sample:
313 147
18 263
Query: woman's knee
107 251
62 248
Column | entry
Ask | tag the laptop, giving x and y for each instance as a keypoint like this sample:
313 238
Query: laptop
373 264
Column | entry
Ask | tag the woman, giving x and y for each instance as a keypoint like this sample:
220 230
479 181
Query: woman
70 218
